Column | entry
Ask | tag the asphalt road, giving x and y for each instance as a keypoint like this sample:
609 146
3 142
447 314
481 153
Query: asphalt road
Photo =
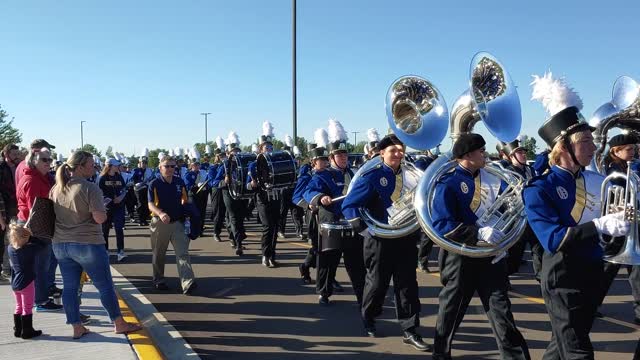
242 308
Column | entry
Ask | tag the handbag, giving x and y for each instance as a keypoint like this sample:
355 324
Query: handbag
42 219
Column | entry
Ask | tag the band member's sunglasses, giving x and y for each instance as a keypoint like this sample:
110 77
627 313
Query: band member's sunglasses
46 160
170 166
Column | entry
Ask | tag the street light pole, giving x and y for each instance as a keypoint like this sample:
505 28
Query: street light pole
82 134
355 139
205 127
293 76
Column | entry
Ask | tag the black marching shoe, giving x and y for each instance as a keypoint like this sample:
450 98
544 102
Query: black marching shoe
161 287
17 325
217 238
273 263
636 320
239 251
27 327
265 261
323 300
370 328
191 289
337 287
415 340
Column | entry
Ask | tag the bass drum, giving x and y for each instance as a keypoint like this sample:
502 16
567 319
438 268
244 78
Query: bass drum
239 170
276 170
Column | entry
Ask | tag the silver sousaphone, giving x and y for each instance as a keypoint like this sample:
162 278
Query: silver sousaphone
417 113
493 99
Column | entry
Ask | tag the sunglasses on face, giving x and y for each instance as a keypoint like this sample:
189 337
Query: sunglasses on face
46 160
169 166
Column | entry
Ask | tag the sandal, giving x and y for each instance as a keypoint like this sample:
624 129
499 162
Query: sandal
84 332
130 327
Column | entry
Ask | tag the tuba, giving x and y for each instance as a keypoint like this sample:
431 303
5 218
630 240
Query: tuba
417 113
492 98
623 111
616 198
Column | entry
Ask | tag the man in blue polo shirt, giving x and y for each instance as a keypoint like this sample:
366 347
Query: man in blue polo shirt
167 196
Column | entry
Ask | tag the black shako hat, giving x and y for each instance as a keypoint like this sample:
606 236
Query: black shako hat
318 153
510 148
389 140
265 139
467 143
564 123
500 146
623 139
311 146
337 147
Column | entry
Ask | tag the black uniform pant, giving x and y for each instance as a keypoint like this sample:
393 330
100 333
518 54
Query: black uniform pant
424 250
385 259
516 252
571 299
130 203
610 273
461 277
218 210
312 229
269 212
200 200
296 213
235 217
143 207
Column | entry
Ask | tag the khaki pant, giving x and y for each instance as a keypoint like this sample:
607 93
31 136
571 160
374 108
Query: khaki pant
161 235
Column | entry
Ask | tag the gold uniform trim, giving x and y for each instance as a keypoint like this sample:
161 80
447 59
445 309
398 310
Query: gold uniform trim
477 194
581 200
397 191
347 181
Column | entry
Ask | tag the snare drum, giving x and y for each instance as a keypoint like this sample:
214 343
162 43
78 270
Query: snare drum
333 233
239 169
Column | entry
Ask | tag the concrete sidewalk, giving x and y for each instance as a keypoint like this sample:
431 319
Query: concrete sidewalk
56 341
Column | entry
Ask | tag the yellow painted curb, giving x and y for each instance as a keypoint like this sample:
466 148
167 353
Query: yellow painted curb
140 340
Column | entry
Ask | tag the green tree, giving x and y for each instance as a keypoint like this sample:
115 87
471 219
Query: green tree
532 149
358 148
8 134
92 149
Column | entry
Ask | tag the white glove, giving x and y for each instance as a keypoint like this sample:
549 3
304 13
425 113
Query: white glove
490 235
612 224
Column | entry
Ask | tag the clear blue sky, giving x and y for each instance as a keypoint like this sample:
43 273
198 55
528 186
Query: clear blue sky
141 72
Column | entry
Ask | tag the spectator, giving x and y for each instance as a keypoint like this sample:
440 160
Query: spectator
78 241
113 189
10 159
34 183
167 197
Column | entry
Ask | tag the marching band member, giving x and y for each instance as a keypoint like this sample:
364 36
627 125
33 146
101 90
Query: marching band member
563 209
319 162
234 208
324 186
195 181
541 164
386 258
286 203
218 211
462 196
370 148
113 189
517 156
268 207
141 177
622 148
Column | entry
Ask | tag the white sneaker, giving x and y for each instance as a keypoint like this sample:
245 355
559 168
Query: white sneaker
121 255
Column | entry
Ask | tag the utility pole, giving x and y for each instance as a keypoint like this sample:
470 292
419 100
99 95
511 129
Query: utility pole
205 126
355 139
82 134
295 107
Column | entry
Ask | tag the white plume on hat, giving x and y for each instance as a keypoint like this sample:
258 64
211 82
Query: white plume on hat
336 131
267 129
60 158
288 140
372 135
254 148
195 154
554 94
522 138
296 151
160 155
207 150
172 153
145 152
321 137
233 138
220 143
179 151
